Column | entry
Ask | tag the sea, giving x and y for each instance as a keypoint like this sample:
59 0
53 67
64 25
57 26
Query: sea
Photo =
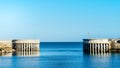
60 55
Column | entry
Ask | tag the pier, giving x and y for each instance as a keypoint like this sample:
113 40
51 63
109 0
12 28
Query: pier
26 45
20 45
101 45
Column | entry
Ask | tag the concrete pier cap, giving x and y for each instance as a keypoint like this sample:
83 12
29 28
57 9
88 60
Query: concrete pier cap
97 40
25 41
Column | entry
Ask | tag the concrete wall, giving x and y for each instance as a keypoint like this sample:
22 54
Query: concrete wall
112 45
96 45
26 45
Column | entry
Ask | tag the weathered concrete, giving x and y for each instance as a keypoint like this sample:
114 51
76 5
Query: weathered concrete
20 45
101 45
26 45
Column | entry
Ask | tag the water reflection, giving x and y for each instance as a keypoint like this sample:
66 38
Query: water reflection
22 53
98 53
97 60
66 57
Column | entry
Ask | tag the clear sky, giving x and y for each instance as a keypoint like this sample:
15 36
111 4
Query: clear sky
59 20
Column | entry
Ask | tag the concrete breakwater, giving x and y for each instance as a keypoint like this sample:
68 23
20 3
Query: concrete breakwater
101 45
7 46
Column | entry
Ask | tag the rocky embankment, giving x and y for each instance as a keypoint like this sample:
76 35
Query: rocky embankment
5 49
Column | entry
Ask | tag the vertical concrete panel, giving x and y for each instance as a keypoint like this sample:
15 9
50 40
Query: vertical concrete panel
104 47
93 47
90 47
98 47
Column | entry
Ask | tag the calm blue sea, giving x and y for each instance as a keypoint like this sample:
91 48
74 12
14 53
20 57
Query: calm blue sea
60 55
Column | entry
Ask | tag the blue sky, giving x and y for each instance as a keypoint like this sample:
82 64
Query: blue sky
59 20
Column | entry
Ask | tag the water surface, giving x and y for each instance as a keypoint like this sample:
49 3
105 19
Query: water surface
60 55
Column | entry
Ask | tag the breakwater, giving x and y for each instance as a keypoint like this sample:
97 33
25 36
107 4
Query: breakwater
19 45
101 45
